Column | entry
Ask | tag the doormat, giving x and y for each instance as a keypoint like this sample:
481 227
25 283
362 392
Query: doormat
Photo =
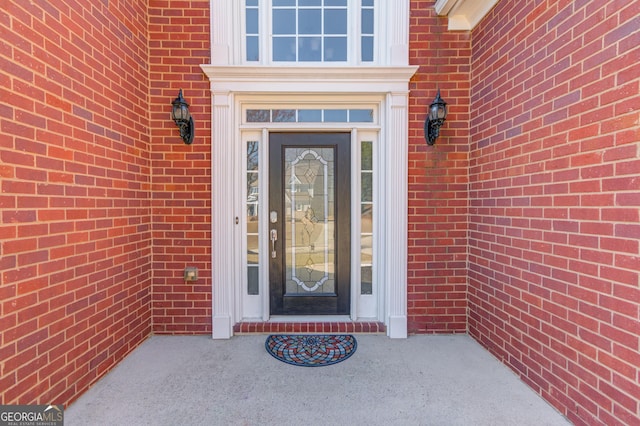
311 350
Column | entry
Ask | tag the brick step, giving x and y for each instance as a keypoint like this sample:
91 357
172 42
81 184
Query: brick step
370 327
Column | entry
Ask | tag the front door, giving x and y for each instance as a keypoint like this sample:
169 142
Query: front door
309 223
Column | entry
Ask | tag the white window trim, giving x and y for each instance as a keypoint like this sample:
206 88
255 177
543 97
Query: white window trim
367 307
227 31
387 80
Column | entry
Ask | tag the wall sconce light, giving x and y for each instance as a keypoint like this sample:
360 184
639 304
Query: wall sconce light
435 118
182 117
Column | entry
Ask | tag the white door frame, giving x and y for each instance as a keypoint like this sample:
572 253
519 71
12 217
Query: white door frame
390 84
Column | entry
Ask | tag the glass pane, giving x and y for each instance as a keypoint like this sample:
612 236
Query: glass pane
309 49
310 21
252 21
360 115
284 115
252 217
310 221
284 49
253 49
252 156
253 283
258 115
252 250
367 3
309 116
284 21
367 21
367 218
335 21
366 245
367 187
252 3
284 2
366 154
335 115
252 202
366 280
335 49
367 49
310 2
335 2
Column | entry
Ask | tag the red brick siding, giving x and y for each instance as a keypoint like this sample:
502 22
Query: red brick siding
75 231
181 174
438 183
554 201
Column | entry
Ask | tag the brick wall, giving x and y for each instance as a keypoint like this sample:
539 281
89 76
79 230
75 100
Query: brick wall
75 233
181 174
438 183
554 201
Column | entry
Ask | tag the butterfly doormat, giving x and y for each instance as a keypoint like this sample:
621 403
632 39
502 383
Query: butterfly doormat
311 350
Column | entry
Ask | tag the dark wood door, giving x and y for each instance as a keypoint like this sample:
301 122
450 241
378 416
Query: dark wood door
309 223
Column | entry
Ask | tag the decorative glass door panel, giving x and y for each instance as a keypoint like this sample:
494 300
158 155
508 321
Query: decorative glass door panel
309 220
309 193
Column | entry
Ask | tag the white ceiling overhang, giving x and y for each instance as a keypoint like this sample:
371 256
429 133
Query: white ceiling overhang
464 14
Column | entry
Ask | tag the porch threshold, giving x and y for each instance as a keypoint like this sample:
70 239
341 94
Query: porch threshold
309 325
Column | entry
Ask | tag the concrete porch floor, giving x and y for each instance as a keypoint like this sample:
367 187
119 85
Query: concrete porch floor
423 380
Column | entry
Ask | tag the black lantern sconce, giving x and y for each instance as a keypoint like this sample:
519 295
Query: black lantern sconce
181 115
435 118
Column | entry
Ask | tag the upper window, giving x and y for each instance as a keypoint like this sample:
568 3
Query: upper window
299 31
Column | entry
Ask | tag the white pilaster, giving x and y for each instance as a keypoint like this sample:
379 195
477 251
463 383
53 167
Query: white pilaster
396 154
222 31
223 218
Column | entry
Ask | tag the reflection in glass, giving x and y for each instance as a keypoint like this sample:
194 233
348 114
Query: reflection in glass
252 237
309 49
366 217
366 211
309 31
284 49
367 186
335 49
310 115
258 116
284 115
309 221
366 276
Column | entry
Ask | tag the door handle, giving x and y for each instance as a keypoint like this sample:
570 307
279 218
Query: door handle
274 238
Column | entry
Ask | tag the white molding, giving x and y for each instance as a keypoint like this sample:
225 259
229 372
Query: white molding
387 80
395 214
464 14
223 223
316 79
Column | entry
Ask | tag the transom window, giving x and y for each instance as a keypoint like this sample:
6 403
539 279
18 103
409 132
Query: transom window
309 116
300 31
